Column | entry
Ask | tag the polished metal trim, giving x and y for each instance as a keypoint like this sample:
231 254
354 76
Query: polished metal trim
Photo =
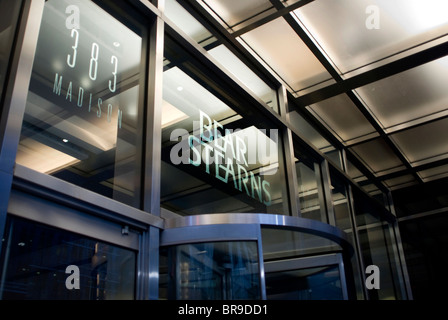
43 211
287 222
210 233
54 189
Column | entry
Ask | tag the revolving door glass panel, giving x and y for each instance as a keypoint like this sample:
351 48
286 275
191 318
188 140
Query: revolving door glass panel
212 271
318 283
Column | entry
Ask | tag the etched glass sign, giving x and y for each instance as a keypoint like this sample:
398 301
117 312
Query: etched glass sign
82 119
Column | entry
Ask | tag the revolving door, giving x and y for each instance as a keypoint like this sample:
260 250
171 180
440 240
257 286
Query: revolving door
252 257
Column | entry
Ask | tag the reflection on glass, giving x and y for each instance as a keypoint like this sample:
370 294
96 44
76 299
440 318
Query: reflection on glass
310 194
35 258
214 160
309 132
375 248
82 115
282 244
320 283
9 13
243 73
343 221
213 271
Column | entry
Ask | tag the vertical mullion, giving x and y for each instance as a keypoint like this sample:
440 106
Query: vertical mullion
398 247
148 266
358 249
327 200
153 137
15 96
288 152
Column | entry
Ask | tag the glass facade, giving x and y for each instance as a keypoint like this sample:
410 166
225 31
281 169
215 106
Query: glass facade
35 261
82 122
201 150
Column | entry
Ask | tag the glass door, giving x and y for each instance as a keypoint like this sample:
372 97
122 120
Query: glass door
308 278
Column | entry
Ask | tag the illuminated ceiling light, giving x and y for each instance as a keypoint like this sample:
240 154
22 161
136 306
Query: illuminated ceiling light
65 140
116 44
180 88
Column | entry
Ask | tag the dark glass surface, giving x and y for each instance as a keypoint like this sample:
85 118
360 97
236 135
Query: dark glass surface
211 271
320 283
35 257
9 14
83 114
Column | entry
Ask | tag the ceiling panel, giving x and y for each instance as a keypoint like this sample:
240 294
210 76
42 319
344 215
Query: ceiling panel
343 118
409 97
378 156
425 143
237 14
232 12
280 47
355 33
186 22
434 173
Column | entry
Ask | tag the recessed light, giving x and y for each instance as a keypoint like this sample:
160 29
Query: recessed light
65 140
180 88
116 44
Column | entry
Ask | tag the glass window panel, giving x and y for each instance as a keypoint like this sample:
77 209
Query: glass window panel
377 247
308 132
347 32
343 219
310 194
225 57
378 156
282 244
281 48
187 23
81 122
343 118
319 283
9 16
309 197
35 258
213 271
247 174
424 143
409 97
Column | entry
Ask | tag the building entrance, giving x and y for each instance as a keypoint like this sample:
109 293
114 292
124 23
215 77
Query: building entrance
252 257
